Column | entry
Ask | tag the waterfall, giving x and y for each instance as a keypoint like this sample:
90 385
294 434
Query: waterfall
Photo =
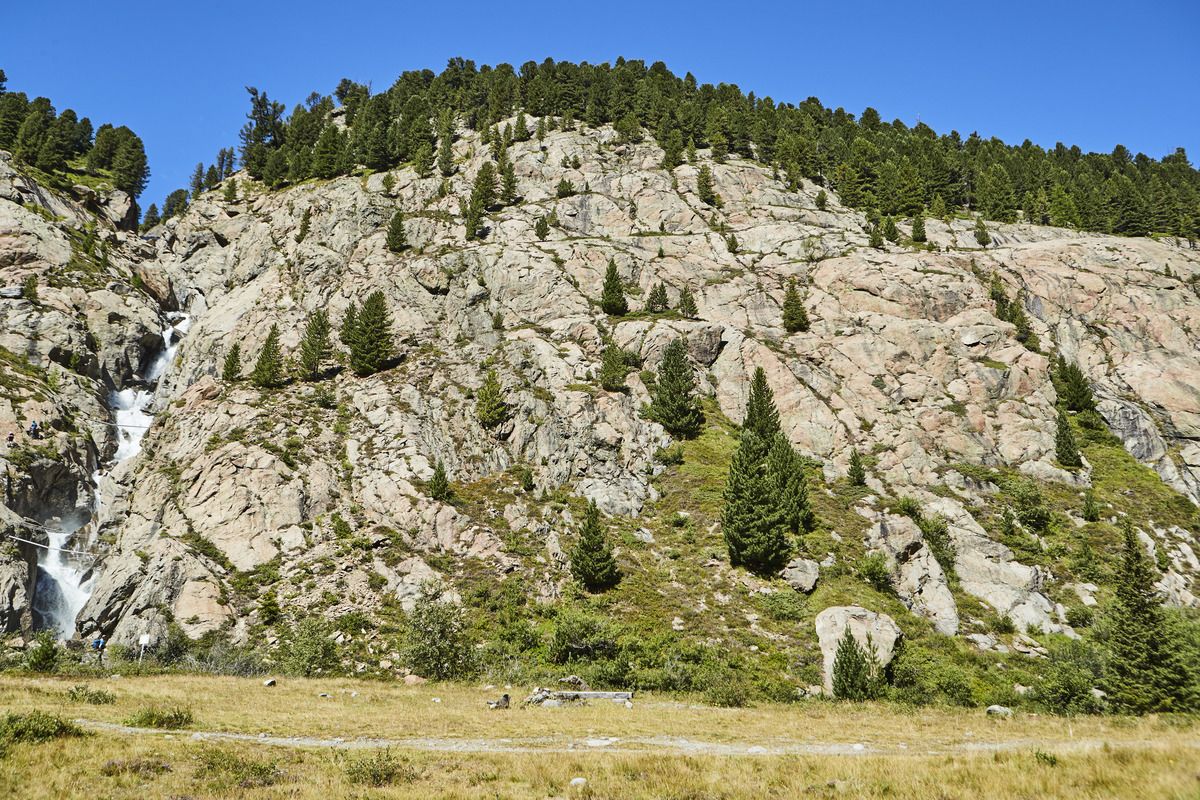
64 573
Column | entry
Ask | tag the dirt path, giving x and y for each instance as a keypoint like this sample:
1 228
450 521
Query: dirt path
614 744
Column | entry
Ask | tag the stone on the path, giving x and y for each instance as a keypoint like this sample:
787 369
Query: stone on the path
999 711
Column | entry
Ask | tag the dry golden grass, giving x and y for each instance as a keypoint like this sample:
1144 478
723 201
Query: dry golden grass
1096 758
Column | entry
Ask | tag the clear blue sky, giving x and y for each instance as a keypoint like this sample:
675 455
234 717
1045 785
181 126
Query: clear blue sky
1088 73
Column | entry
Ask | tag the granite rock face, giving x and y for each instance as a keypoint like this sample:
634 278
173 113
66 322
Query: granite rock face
323 485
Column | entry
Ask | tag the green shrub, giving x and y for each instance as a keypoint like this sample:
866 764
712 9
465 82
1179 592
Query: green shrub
379 769
908 506
86 694
1080 616
937 536
33 728
436 643
166 717
44 655
873 568
579 636
307 649
1066 686
669 456
727 690
226 766
784 606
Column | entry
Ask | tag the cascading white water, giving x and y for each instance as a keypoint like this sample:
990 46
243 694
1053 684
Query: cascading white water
65 577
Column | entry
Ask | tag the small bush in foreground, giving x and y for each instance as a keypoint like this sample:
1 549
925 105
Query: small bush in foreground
86 694
167 717
33 728
379 769
227 766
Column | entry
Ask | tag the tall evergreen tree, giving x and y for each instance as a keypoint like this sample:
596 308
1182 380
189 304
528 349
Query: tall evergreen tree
314 346
1065 448
889 230
508 182
490 408
1072 385
439 485
657 301
761 415
918 227
372 346
592 561
541 229
982 236
349 330
857 475
445 155
305 225
268 369
752 519
795 316
1147 671
704 187
231 370
674 404
612 296
397 241
613 369
785 471
687 303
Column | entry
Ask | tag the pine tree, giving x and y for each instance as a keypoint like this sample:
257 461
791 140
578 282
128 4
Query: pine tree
508 182
672 150
231 370
592 561
372 346
1147 671
785 471
704 187
795 316
1073 388
657 302
129 168
439 486
29 287
1065 448
981 233
613 369
541 229
876 238
445 137
231 190
762 418
822 200
890 231
612 296
1091 509
197 182
857 475
423 160
918 227
490 408
674 404
687 303
855 670
150 218
314 346
731 244
937 208
752 519
349 329
397 241
268 369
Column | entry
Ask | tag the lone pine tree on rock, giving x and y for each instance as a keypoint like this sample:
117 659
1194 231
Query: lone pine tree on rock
490 408
371 345
1065 448
231 370
268 369
314 345
752 519
612 296
687 303
795 317
397 240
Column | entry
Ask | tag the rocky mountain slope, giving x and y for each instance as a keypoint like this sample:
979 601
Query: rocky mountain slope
313 497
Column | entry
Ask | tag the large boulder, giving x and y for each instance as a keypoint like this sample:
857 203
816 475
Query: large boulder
801 574
870 629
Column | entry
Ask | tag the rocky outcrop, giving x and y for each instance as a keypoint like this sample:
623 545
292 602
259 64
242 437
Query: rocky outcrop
916 575
876 633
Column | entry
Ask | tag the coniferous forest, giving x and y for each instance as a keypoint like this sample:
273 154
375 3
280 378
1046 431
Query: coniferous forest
887 167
